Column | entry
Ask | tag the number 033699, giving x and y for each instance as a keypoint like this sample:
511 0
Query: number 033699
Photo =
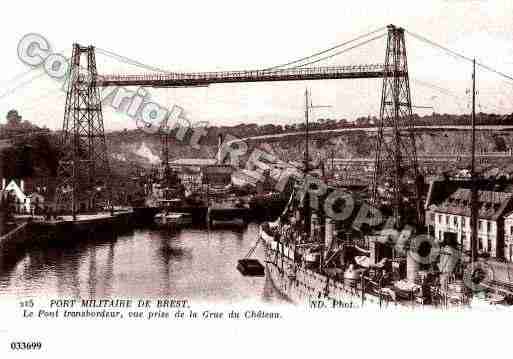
26 345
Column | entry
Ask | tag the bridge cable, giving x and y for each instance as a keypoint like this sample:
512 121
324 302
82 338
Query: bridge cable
18 77
32 70
460 100
458 55
23 84
136 63
129 61
328 50
343 51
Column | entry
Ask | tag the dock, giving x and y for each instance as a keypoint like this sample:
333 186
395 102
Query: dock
227 212
62 226
12 244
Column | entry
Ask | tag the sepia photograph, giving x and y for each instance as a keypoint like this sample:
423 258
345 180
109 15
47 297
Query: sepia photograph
260 169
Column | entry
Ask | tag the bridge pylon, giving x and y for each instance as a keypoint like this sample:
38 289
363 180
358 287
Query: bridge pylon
84 180
396 181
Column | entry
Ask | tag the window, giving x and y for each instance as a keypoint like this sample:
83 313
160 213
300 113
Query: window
463 238
511 230
488 227
480 241
432 216
480 224
446 219
455 220
489 244
440 221
463 221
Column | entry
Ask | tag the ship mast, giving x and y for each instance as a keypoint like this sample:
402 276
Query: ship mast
308 107
307 113
473 199
307 209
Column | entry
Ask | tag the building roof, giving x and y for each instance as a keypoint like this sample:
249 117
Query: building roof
218 169
491 204
190 170
13 186
245 176
194 162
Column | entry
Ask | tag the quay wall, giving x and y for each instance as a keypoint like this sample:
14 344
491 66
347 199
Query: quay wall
502 271
39 233
13 243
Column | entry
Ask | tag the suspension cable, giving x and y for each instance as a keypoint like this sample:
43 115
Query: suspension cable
36 71
136 63
460 99
23 84
458 55
328 50
18 77
343 51
129 61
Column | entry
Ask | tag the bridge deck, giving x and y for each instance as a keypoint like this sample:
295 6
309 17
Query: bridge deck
207 78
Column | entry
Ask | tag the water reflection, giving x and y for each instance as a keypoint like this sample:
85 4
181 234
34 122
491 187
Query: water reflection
193 263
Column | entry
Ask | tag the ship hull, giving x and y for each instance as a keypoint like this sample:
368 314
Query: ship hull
302 285
173 220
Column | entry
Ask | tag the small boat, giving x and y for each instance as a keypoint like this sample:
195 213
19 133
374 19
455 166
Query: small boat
250 267
234 222
405 289
352 276
494 298
173 219
362 261
311 257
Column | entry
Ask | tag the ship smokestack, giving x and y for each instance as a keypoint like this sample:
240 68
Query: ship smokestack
313 226
220 149
412 268
329 233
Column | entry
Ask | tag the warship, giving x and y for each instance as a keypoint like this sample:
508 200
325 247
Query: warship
310 257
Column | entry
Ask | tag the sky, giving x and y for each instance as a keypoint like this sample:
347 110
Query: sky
234 35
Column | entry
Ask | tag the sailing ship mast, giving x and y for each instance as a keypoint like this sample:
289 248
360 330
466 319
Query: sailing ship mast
307 113
474 195
308 107
307 209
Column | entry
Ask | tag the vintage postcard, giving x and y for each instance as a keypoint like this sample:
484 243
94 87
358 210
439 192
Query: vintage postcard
253 179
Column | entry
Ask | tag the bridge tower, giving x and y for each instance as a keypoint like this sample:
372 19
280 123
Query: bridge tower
396 179
84 172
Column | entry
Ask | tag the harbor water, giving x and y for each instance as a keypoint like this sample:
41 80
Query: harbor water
197 264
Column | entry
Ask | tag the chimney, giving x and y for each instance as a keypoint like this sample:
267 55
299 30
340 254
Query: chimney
220 149
3 183
22 185
328 229
314 223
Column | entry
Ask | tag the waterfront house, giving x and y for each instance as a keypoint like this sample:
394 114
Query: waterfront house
217 175
508 237
197 171
448 218
191 178
25 200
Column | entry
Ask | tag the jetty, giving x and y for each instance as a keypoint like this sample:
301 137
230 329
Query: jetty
12 244
82 223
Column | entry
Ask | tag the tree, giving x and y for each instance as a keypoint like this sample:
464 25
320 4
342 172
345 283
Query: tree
13 119
363 121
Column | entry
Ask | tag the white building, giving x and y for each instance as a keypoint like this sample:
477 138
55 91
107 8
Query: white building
23 202
508 237
448 218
